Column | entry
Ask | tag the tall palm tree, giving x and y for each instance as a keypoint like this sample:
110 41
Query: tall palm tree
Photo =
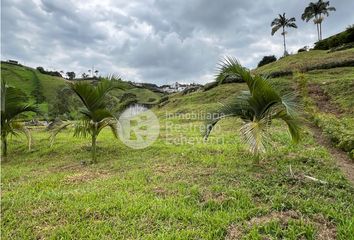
282 22
257 107
13 103
95 114
317 11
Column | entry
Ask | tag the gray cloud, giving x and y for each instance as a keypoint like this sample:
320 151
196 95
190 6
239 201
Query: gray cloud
156 41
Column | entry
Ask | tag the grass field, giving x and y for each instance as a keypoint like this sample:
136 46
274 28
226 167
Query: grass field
306 59
23 77
178 188
182 187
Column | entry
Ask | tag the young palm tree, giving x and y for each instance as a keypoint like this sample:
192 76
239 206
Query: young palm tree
316 10
282 22
95 115
257 107
13 103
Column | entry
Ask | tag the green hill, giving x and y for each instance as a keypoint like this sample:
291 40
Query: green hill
44 89
304 61
326 93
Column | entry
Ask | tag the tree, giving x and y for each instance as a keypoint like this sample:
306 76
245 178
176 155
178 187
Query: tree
282 22
267 59
13 103
95 115
84 75
317 11
257 107
71 75
96 72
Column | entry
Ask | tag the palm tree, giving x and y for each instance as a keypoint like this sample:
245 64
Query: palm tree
316 10
257 107
283 22
95 114
13 103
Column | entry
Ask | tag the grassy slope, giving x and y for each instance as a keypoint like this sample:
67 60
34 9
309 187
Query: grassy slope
178 188
337 84
306 59
22 77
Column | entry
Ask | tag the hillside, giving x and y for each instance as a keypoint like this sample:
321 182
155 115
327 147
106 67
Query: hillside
182 187
309 60
44 90
326 94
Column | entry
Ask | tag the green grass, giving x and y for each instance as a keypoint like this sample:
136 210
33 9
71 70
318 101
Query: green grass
22 77
182 187
306 59
338 83
178 188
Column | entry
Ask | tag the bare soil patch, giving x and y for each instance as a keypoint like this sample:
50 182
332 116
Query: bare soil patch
322 100
325 229
85 176
342 159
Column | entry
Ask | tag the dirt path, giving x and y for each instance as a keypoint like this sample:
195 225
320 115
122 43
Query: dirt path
322 100
342 159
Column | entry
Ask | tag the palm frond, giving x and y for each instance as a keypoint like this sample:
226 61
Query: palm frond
256 107
275 22
56 131
112 123
254 134
275 29
83 128
17 127
237 108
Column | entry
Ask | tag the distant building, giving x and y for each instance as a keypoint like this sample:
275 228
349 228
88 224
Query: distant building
167 88
12 61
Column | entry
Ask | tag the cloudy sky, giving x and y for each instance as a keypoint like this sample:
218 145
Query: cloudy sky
155 41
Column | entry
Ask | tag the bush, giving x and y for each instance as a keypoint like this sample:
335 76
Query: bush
346 63
278 74
51 73
303 49
267 59
336 40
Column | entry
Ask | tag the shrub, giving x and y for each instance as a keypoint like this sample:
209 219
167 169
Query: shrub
267 59
346 63
51 73
303 49
278 74
337 40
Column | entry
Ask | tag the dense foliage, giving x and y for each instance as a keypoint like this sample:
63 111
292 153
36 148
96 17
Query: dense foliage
51 73
266 59
337 40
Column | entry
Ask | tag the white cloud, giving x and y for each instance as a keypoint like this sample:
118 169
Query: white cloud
154 40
